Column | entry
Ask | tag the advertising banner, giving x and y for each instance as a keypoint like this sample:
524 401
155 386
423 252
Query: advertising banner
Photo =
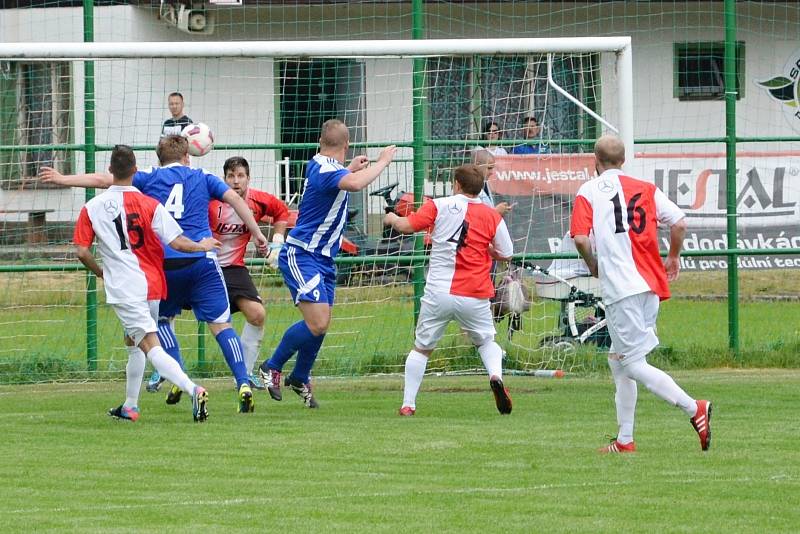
767 197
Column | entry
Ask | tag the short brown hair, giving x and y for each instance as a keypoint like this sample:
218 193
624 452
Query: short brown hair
234 162
334 134
123 162
172 148
470 178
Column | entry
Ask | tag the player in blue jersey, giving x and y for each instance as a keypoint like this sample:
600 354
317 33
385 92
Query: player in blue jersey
306 260
194 280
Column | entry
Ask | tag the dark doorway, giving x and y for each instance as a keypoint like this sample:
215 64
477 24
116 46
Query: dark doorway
312 92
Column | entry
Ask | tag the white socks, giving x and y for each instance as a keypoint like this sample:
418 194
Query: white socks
251 342
170 369
416 363
492 356
625 399
134 372
662 385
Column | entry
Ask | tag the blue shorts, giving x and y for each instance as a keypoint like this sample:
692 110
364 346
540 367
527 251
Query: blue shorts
199 287
309 277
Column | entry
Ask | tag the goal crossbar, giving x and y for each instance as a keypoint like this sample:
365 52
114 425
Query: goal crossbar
620 46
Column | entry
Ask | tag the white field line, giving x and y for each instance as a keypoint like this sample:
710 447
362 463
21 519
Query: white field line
384 494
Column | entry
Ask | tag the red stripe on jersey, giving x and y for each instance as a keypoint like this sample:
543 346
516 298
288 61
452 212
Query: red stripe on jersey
84 233
144 242
473 263
582 216
643 233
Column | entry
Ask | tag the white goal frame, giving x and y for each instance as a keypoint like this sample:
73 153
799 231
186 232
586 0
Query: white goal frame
620 46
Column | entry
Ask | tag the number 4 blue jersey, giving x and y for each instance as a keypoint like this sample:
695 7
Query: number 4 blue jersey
323 210
185 193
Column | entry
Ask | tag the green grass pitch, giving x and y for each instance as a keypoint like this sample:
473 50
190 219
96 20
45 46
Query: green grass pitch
354 466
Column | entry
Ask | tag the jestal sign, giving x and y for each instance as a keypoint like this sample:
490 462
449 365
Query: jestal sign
767 191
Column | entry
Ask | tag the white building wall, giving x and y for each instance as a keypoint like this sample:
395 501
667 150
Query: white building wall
237 98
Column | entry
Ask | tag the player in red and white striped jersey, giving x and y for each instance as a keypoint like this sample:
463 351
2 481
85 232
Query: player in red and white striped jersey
467 235
130 228
234 235
623 213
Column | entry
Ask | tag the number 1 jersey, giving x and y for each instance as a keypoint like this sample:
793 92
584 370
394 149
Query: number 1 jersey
624 213
185 193
130 228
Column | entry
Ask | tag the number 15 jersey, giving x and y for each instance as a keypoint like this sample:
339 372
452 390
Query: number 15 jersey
624 213
130 228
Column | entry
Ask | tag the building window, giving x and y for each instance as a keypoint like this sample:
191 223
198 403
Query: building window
35 109
700 71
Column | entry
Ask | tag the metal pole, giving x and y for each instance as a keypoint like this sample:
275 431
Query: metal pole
89 157
730 152
201 345
418 80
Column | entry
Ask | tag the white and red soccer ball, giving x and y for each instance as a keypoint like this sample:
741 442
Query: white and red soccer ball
200 137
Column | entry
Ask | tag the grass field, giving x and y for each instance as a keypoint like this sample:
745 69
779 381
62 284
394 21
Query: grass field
43 336
354 466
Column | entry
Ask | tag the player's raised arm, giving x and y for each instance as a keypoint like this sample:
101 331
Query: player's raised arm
417 221
243 211
356 181
98 179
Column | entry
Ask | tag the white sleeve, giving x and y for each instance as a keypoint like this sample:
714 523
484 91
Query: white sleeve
667 212
165 226
502 241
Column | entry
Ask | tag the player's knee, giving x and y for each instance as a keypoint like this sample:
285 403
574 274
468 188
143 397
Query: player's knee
479 339
255 315
318 326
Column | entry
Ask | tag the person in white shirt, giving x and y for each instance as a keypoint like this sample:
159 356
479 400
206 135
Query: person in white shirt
623 213
466 236
131 229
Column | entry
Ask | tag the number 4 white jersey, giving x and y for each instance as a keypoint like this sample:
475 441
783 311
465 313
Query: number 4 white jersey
130 228
624 213
463 229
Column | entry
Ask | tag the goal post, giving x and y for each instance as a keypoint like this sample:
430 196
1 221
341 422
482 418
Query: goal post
265 100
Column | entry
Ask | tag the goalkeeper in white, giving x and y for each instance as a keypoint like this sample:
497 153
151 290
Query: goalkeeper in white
467 235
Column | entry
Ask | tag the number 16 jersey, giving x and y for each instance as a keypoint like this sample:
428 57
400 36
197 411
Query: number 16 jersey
624 213
130 228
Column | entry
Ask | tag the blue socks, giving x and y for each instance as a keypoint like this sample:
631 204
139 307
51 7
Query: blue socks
169 342
297 338
232 349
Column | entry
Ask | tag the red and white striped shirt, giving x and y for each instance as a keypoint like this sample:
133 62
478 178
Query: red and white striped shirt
624 213
130 228
463 229
231 231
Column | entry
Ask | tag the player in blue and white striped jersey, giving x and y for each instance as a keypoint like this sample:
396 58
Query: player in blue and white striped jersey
306 260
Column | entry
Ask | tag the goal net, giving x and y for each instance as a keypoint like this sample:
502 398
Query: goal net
266 102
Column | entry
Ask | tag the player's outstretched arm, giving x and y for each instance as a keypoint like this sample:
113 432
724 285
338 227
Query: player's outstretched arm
356 181
87 259
401 224
672 263
584 247
238 204
49 175
184 244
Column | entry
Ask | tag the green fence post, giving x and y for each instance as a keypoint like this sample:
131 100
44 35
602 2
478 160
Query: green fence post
201 345
730 156
418 32
89 155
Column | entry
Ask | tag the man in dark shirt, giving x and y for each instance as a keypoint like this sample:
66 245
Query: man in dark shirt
175 124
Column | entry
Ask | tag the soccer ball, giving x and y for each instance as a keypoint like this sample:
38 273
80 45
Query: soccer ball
200 137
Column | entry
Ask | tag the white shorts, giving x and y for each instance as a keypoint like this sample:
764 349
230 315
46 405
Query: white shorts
138 318
632 326
437 310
